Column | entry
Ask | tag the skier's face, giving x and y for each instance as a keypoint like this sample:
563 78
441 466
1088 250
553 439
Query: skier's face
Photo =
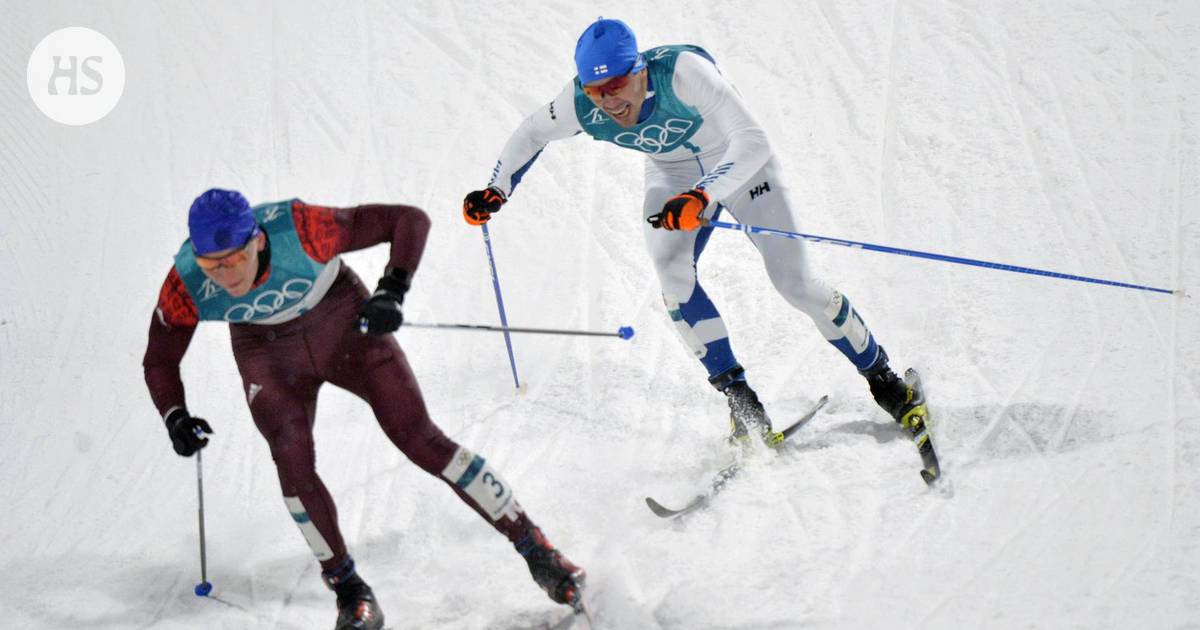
620 97
234 269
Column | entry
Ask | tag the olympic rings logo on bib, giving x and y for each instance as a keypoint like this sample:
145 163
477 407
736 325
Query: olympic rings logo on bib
270 302
656 138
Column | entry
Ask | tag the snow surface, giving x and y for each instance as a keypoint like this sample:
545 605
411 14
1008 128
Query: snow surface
1059 135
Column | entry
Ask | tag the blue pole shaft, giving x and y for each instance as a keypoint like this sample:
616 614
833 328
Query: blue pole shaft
624 332
512 361
753 229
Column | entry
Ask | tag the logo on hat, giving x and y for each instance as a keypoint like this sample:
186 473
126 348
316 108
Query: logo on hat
600 69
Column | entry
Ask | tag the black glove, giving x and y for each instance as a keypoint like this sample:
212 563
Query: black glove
380 314
186 432
480 204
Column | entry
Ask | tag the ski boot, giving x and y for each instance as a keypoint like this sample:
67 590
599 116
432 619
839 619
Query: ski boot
357 608
559 577
904 403
904 400
746 414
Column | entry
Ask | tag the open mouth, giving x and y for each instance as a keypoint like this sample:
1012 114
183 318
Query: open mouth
619 113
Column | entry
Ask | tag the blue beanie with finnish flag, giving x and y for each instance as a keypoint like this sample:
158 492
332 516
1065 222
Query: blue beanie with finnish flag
607 49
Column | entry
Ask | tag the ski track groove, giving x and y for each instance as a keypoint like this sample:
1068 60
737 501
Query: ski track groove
822 9
371 147
460 57
333 126
1139 558
1173 359
1071 411
163 601
887 149
1126 31
973 15
988 432
1100 221
18 177
21 140
994 555
273 106
1038 162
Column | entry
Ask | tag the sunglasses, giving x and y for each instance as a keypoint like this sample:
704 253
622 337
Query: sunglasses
228 261
612 86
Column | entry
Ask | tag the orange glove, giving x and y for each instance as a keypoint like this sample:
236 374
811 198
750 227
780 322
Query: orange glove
681 212
480 204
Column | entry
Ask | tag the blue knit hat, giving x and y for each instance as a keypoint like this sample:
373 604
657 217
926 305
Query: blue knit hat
608 48
220 219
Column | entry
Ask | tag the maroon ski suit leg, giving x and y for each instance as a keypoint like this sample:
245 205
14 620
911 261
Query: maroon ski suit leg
282 368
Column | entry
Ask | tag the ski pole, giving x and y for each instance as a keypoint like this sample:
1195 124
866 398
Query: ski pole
512 361
754 229
624 332
204 587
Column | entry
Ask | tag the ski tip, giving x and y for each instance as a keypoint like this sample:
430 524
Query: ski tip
658 508
931 474
662 511
583 611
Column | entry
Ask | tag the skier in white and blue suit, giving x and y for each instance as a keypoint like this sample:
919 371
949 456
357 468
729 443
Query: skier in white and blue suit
706 154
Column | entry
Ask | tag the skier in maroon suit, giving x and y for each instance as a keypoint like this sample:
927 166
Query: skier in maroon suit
298 319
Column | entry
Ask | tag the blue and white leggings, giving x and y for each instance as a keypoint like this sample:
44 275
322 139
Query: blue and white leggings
762 201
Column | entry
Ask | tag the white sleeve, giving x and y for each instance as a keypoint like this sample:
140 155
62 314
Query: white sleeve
555 121
697 82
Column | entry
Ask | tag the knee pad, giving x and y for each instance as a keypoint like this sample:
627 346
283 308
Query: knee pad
479 481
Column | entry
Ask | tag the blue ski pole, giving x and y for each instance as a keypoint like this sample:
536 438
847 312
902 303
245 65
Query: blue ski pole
754 229
624 332
512 361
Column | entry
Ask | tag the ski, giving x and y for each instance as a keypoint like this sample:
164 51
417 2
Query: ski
583 610
663 511
931 470
729 472
797 425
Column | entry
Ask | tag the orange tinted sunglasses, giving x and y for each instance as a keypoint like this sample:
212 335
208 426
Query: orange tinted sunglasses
228 261
610 87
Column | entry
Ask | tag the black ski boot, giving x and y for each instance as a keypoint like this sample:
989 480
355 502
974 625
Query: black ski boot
559 577
357 608
904 400
903 403
746 414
